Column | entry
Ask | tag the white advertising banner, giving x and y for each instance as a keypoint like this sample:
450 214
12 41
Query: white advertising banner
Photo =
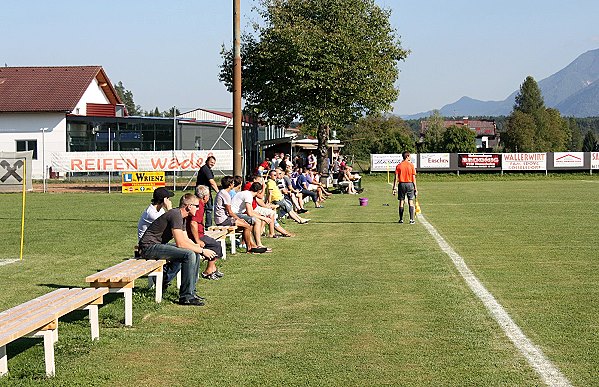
388 162
524 162
568 159
434 161
594 160
132 161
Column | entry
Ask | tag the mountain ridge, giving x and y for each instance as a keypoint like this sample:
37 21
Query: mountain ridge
573 90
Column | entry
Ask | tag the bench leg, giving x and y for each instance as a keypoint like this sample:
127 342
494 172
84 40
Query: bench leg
179 280
128 293
93 321
233 243
48 336
3 361
223 246
158 276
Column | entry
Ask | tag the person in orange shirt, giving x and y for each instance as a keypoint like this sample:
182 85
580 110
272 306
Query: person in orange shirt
405 181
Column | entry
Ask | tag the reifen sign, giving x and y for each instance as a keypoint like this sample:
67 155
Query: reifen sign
479 160
180 160
434 161
568 159
524 162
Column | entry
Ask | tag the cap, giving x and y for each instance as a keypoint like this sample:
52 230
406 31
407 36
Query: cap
161 193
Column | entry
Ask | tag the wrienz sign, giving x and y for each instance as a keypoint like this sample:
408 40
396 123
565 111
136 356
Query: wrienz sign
142 181
479 160
524 162
434 161
568 159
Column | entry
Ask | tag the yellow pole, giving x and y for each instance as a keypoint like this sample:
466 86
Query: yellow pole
23 209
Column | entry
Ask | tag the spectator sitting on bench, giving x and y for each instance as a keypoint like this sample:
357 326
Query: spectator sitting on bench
224 215
302 184
275 195
268 209
346 180
154 245
195 232
294 194
241 205
160 203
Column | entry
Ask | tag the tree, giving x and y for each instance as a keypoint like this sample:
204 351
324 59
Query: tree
378 134
459 139
127 98
433 137
529 99
326 62
589 144
575 135
533 128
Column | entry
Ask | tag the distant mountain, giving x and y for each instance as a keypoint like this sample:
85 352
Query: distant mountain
574 91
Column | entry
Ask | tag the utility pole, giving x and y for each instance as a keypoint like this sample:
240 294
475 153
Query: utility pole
237 157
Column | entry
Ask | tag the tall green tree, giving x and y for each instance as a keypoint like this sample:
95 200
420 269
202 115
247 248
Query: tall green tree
459 139
576 136
378 134
589 144
534 128
433 137
127 98
326 62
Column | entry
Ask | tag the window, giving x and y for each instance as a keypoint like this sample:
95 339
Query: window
27 145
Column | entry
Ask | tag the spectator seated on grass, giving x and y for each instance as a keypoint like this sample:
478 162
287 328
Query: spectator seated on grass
195 230
224 215
275 196
154 245
241 205
160 203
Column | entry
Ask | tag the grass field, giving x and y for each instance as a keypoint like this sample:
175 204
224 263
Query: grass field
355 299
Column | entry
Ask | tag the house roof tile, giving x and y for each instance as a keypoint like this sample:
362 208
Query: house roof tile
49 89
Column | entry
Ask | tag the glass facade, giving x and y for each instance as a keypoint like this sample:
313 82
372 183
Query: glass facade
125 134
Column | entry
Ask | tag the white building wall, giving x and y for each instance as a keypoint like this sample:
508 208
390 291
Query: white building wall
93 94
27 126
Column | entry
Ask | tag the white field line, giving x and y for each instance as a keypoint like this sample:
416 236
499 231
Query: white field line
7 261
535 357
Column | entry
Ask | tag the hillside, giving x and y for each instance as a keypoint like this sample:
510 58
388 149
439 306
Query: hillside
574 91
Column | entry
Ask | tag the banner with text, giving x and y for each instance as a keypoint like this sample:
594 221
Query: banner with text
594 160
434 161
134 182
180 160
388 162
524 162
568 159
479 160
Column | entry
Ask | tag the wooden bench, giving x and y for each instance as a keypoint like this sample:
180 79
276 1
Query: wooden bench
39 318
220 233
121 279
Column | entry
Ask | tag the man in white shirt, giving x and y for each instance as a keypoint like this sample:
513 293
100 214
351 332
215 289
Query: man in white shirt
242 206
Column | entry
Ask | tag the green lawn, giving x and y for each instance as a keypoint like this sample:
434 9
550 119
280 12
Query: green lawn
354 299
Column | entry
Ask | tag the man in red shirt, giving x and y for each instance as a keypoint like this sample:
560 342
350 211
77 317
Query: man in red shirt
405 181
195 230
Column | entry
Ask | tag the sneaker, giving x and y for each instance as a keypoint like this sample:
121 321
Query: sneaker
191 302
211 276
412 221
400 221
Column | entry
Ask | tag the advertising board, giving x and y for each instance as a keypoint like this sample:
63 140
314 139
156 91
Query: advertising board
180 160
479 160
139 182
568 159
524 162
434 161
388 162
594 160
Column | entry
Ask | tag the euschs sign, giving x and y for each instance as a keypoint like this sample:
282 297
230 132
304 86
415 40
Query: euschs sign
434 161
139 161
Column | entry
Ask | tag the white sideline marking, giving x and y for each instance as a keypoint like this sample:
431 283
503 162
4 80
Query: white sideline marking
7 261
535 357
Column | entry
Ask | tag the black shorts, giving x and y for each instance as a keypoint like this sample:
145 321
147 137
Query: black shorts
406 189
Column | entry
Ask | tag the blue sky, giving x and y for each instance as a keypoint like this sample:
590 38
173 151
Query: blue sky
168 52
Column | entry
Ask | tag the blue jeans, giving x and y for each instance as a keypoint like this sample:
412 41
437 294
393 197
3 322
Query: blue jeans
189 261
